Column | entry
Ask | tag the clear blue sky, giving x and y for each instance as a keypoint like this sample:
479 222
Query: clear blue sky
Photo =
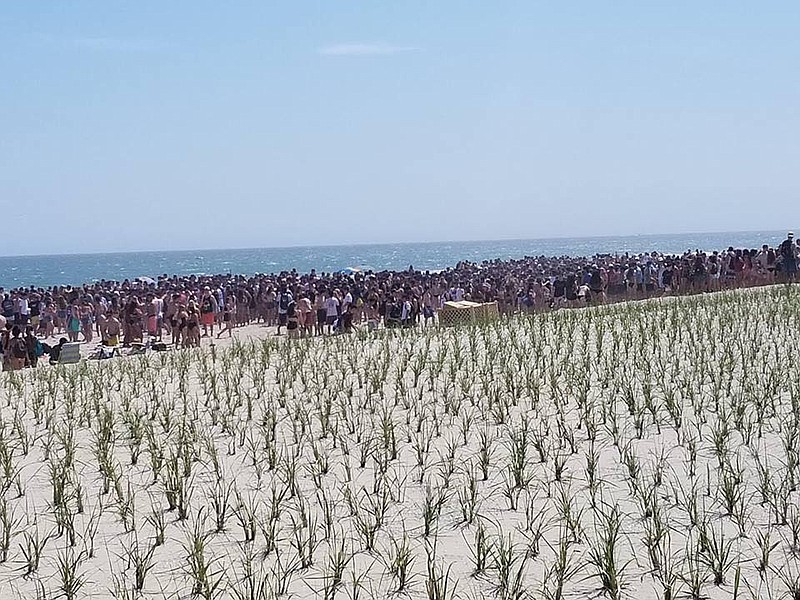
203 124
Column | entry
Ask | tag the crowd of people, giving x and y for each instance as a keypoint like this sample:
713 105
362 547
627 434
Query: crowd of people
185 309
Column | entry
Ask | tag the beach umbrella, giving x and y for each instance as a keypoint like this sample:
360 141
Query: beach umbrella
349 271
146 280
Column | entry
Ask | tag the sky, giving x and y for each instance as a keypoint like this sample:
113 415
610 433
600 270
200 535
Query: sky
150 125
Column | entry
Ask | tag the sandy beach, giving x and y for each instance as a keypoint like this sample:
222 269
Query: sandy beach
645 450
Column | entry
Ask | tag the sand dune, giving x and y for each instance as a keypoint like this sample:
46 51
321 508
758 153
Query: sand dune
644 450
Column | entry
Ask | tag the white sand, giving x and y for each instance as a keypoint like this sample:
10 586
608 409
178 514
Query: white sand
544 381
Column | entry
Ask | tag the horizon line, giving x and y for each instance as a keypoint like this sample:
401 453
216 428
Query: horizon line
409 243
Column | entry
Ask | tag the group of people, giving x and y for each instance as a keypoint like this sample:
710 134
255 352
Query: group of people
20 348
612 278
188 308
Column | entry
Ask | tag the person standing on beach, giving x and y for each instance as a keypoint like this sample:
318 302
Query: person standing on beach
714 273
62 313
321 313
666 278
33 345
243 306
87 320
208 311
306 315
73 322
154 309
132 322
112 330
100 306
5 340
284 299
597 286
16 349
406 313
436 294
168 304
292 321
270 305
35 307
191 335
700 274
228 316
23 310
48 320
762 264
179 325
788 251
427 306
630 280
7 308
331 311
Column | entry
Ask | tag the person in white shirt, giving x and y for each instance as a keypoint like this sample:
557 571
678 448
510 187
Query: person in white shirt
762 263
22 310
347 300
405 316
331 311
158 306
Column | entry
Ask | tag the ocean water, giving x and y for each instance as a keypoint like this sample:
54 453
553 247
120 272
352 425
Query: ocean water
76 269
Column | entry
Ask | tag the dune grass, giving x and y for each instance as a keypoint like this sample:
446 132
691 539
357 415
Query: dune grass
642 450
